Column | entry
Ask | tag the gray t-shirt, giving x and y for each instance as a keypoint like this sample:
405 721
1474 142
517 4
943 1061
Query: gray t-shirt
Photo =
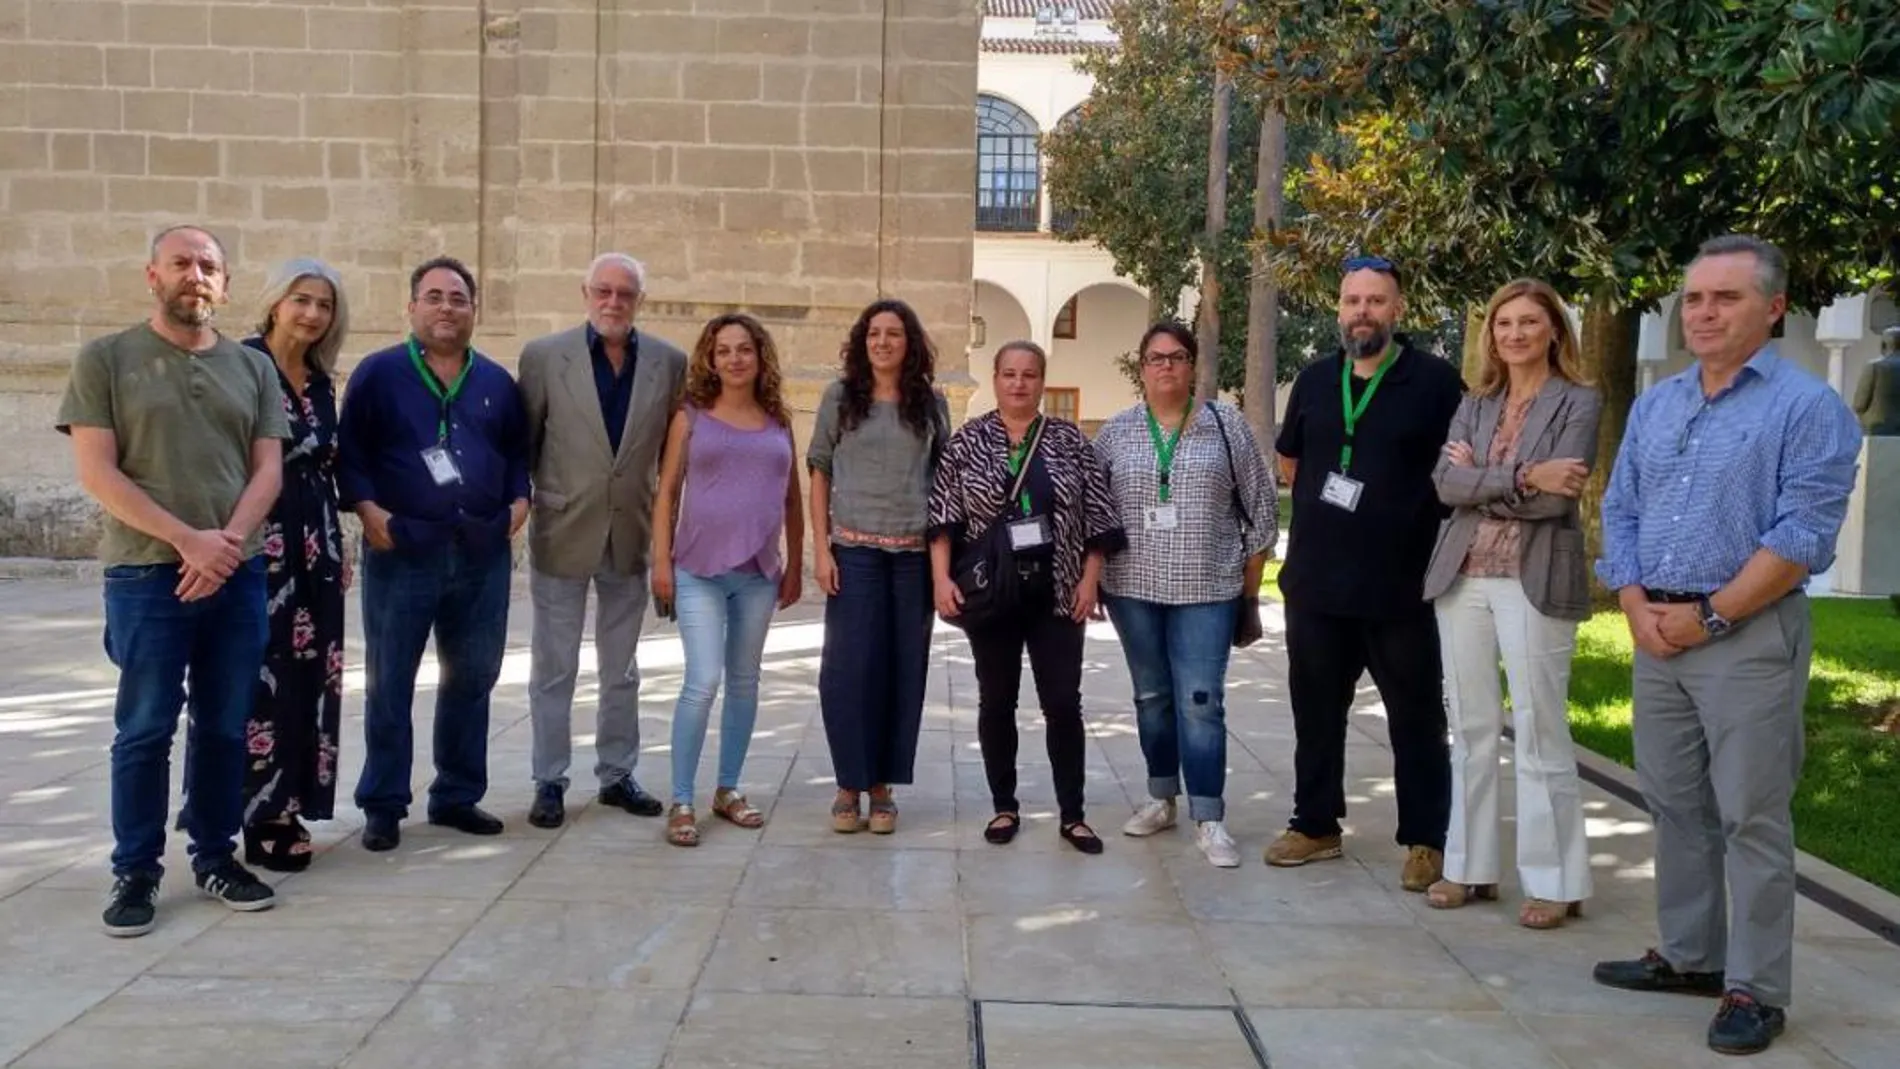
880 472
184 423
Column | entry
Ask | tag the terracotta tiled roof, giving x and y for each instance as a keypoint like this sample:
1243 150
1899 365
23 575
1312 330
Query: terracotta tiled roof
1026 9
1043 46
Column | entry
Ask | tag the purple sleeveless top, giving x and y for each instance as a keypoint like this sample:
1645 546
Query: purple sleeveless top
732 506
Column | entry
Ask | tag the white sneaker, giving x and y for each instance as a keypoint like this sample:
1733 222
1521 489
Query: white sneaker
1219 846
1156 814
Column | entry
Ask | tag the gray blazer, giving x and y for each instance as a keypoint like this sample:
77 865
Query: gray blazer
1562 423
583 490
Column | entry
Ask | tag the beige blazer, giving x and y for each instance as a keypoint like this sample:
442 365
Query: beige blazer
1553 568
583 491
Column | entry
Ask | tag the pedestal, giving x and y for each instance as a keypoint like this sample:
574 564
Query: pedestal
1868 559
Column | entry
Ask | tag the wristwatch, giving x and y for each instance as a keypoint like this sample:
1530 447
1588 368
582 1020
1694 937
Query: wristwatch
1712 622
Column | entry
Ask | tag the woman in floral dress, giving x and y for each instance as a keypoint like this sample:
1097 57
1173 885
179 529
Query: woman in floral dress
292 733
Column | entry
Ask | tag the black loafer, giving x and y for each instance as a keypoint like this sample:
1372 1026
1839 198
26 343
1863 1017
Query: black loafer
548 810
627 795
1082 837
1652 972
382 833
1745 1026
467 818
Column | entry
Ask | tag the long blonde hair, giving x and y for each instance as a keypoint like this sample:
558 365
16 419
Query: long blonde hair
323 354
1566 357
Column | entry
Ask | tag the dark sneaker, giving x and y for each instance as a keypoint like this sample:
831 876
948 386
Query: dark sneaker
381 832
1744 1026
627 795
470 819
547 811
132 908
233 885
1652 973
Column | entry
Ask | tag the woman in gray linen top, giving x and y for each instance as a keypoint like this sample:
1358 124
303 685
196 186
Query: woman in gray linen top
873 448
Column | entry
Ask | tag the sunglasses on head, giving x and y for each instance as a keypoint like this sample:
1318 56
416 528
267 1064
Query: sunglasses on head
1369 263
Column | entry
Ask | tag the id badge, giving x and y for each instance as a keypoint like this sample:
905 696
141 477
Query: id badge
1161 518
1032 533
1342 491
441 466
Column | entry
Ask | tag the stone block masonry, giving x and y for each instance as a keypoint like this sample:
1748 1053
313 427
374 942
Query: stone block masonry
795 157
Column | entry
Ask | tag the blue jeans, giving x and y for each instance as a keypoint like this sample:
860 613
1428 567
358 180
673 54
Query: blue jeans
160 645
1177 658
723 620
462 596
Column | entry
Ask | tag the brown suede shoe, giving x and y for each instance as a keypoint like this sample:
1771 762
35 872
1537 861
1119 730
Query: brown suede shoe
1293 849
1423 867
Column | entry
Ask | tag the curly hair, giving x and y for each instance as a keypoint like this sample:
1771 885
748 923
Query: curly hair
702 380
917 397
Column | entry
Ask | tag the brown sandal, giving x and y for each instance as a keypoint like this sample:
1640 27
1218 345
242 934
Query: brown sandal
883 813
681 829
845 817
1448 895
732 805
1543 914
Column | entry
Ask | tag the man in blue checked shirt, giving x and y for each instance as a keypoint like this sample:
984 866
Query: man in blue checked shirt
1728 493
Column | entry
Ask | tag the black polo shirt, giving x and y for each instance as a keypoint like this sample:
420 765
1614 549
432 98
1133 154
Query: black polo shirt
1369 562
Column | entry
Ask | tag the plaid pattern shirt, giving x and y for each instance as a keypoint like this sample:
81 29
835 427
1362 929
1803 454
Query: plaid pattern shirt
1202 558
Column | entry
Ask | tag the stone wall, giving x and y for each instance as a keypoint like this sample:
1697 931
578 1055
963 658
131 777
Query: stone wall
798 158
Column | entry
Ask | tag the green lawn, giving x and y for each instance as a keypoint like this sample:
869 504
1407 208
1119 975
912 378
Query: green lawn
1846 805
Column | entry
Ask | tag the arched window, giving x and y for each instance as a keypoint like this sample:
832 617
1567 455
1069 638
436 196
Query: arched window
1008 166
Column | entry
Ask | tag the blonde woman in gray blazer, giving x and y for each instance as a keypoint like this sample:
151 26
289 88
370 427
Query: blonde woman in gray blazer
1509 575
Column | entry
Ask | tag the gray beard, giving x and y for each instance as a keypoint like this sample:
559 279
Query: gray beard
1358 348
185 316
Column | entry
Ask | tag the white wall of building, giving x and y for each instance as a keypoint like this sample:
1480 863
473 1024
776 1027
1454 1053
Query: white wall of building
1047 87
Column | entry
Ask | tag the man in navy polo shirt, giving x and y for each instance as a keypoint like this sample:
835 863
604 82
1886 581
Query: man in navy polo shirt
434 460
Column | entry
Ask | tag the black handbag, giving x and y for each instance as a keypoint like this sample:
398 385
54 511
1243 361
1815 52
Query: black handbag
1247 627
984 568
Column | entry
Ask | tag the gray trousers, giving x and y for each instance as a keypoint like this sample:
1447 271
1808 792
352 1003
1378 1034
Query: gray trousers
560 610
1718 737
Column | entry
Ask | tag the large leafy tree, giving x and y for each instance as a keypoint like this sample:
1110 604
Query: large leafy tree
1591 142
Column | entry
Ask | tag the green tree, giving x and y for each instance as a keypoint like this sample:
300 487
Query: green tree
1594 143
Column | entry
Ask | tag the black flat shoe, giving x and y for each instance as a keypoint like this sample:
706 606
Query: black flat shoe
467 818
1652 972
273 846
1002 828
548 810
1744 1026
381 833
1082 837
627 795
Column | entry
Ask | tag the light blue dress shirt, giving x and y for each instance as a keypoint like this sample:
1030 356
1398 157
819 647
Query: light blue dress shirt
1701 483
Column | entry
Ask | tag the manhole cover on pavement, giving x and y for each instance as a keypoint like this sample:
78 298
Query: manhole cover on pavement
1048 1035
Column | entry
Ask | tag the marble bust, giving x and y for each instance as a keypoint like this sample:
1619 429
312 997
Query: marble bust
1877 400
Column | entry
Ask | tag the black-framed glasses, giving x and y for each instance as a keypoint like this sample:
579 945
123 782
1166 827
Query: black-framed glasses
1178 356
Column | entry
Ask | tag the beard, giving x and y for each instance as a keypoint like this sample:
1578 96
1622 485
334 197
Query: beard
1359 347
179 310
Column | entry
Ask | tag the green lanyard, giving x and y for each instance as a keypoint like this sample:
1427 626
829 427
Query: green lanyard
435 387
1164 447
1354 411
1019 453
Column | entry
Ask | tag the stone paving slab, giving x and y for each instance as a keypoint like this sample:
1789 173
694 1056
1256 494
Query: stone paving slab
598 945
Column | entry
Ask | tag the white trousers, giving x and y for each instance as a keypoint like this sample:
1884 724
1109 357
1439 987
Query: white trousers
1476 619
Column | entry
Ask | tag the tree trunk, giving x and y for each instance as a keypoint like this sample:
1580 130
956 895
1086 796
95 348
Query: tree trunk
1609 361
1263 299
1207 381
1472 366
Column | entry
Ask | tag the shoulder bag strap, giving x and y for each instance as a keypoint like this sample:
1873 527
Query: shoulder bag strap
1233 473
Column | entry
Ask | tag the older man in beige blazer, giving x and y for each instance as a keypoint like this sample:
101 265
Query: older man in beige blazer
598 398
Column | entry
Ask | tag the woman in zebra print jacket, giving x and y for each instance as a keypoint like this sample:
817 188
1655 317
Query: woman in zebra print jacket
1073 526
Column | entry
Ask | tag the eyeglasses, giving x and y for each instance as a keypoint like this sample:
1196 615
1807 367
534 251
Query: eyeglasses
1177 356
601 293
1370 263
436 299
1683 440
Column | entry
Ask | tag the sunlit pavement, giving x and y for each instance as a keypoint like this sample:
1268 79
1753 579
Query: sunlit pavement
598 945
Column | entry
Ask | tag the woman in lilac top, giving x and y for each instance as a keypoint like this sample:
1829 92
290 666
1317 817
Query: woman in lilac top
716 550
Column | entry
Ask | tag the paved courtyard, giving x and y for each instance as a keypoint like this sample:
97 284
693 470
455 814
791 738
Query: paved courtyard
600 947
